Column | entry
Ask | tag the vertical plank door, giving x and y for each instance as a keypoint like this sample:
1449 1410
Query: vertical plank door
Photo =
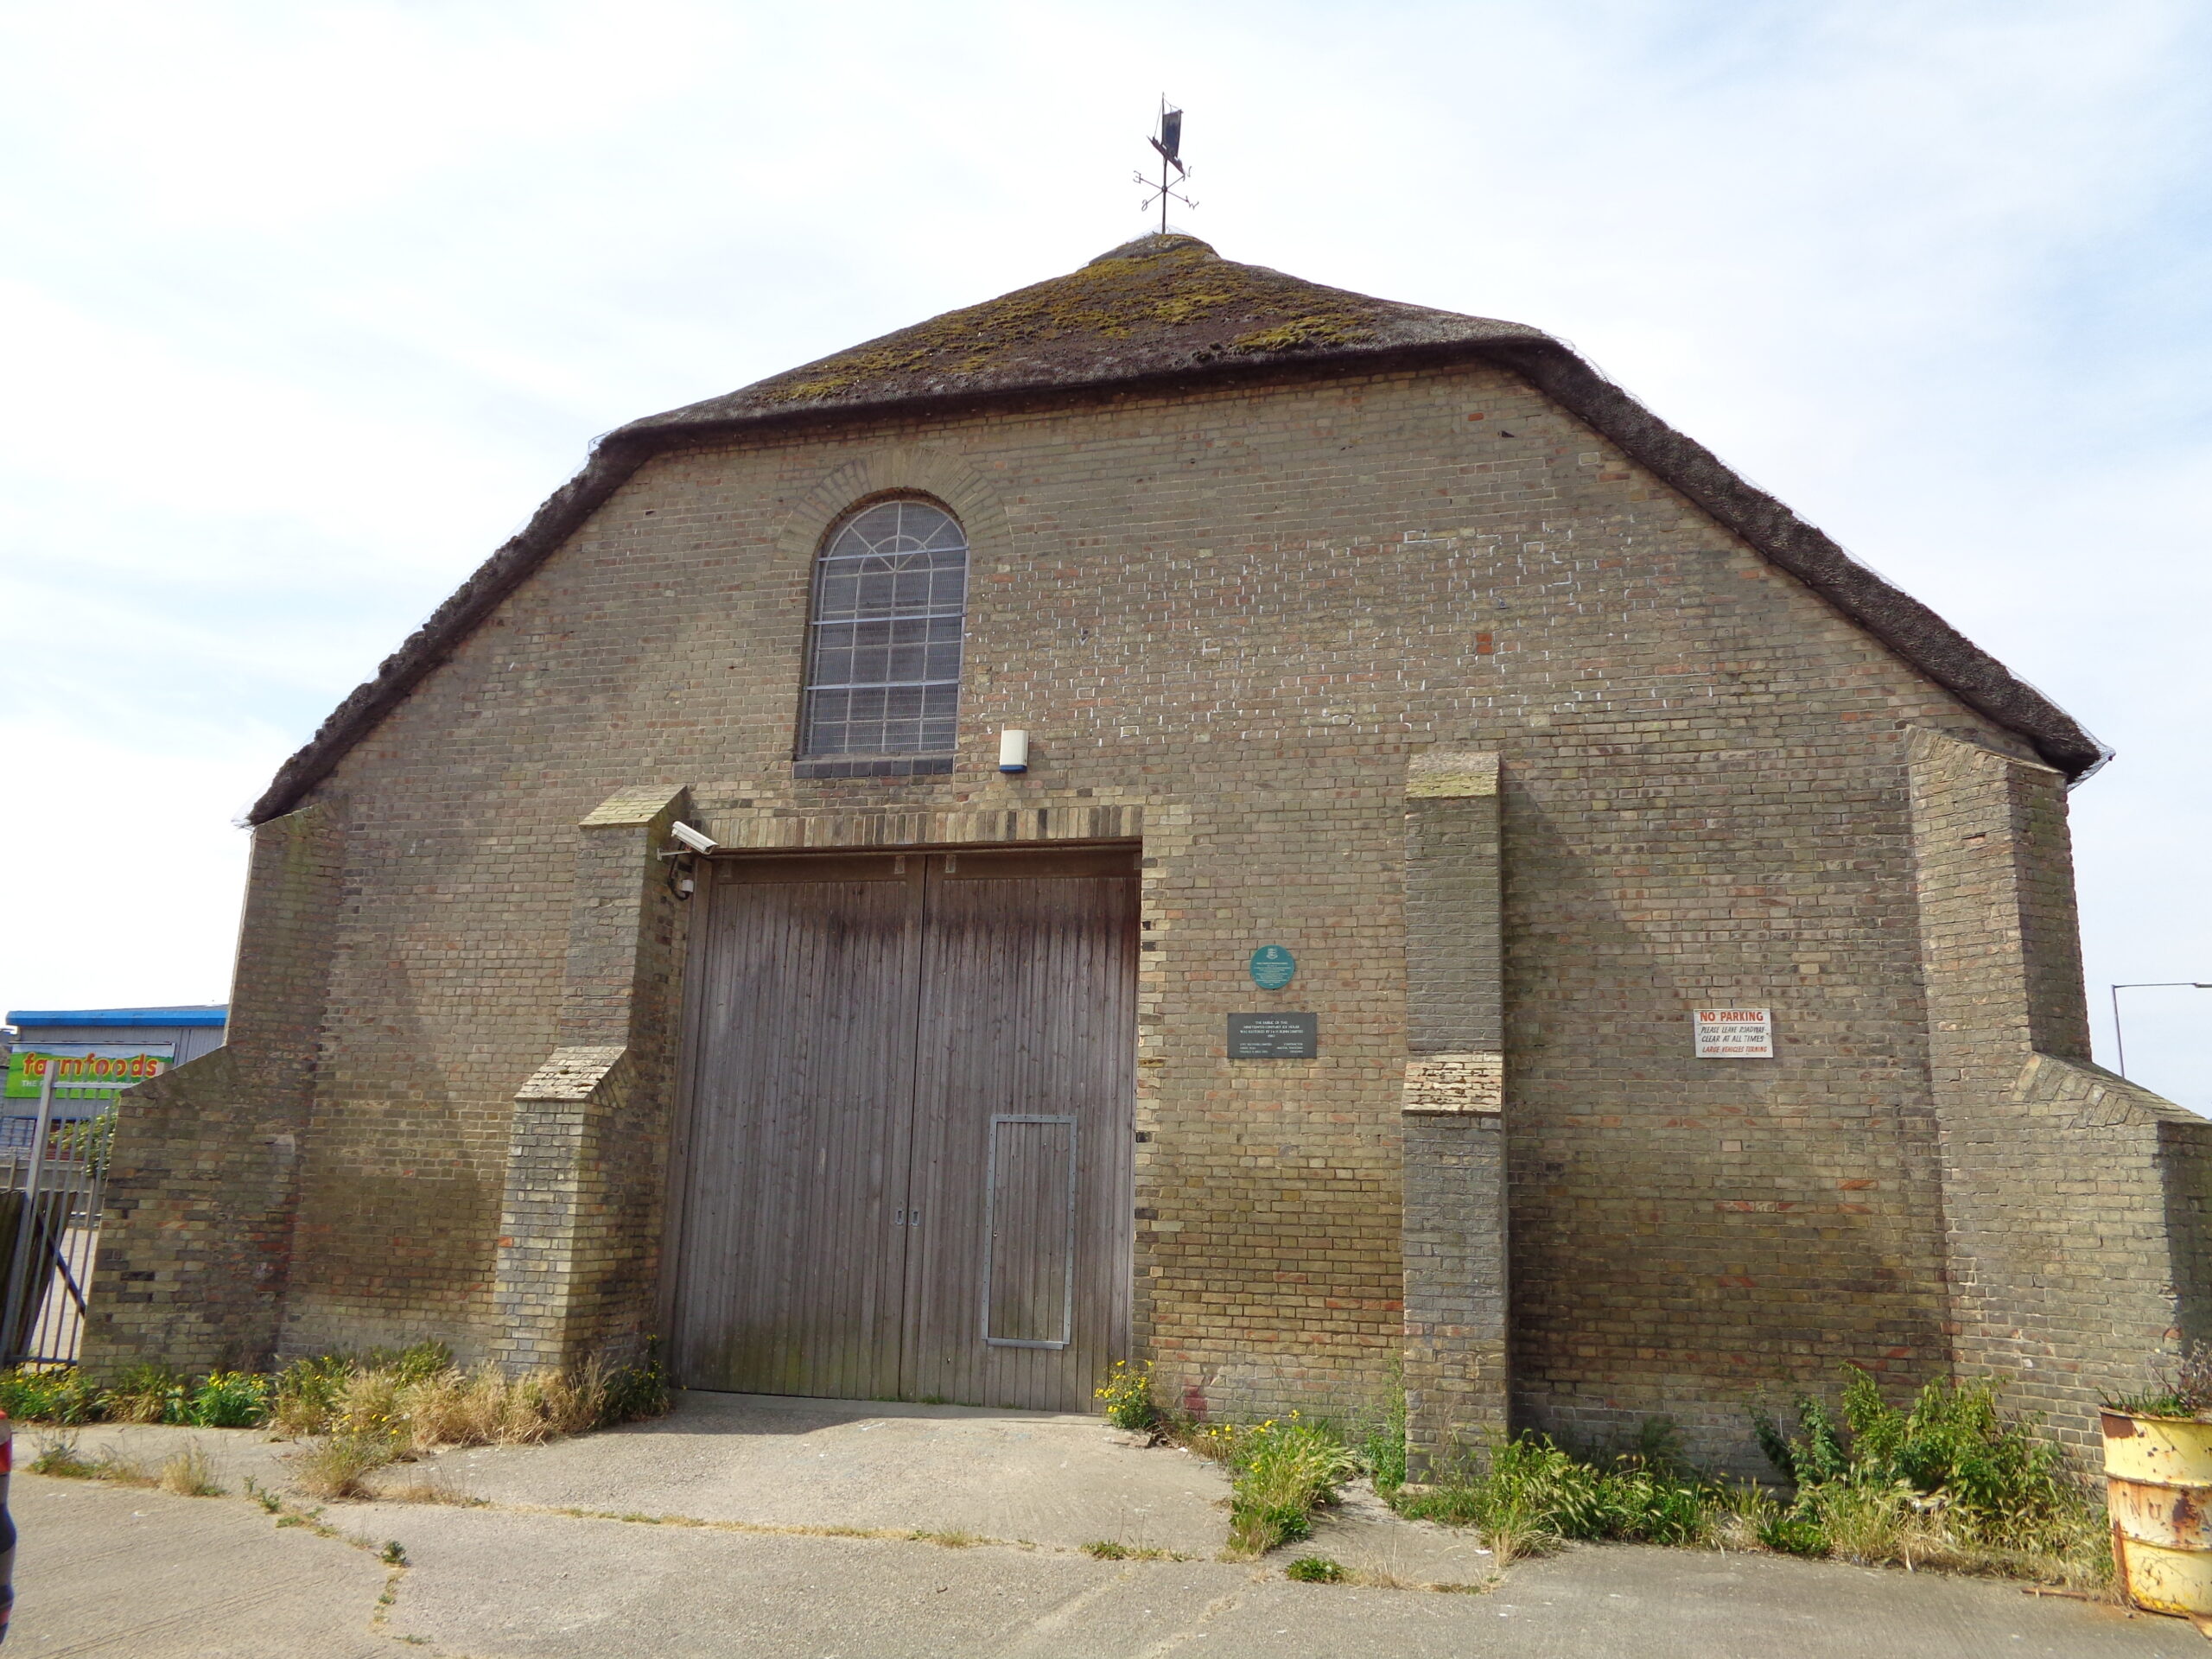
790 1267
1024 1088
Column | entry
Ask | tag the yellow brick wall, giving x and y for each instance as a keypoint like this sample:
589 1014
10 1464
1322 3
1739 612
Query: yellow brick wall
1242 609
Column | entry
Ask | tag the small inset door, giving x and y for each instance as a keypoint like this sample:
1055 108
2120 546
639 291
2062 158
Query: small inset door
1029 1212
907 1169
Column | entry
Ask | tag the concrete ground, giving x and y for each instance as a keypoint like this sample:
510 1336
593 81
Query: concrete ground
745 1531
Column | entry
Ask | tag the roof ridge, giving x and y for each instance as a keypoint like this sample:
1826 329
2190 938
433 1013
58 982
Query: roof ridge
1161 303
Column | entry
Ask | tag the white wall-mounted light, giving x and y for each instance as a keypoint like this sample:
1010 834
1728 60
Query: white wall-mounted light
1014 751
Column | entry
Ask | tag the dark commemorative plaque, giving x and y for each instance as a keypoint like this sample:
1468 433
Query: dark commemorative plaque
1273 1036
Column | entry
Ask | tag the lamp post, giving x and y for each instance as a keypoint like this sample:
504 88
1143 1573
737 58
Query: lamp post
2119 1042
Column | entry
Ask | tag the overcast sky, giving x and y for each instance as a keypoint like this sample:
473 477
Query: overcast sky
305 306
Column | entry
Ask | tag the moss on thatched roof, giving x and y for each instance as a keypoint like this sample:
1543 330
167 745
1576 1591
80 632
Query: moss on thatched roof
1167 310
1162 304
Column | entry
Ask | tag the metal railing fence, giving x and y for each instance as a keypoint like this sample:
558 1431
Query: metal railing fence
50 1189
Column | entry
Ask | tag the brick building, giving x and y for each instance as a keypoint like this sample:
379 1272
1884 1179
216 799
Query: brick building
1396 645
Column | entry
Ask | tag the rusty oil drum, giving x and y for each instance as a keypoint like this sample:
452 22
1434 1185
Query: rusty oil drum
2158 1490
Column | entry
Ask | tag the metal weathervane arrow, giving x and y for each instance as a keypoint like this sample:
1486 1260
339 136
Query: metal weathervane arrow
1169 141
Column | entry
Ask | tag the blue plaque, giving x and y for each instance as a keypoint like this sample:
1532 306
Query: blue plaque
1273 967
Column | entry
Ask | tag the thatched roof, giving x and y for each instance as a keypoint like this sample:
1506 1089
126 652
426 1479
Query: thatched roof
1158 305
1164 310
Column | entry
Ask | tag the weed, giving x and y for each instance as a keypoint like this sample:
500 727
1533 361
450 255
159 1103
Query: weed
1381 1444
418 1398
1126 1396
1314 1569
392 1554
1107 1550
112 1465
228 1399
1382 1578
951 1538
1948 1481
305 1394
2183 1388
1794 1534
261 1495
58 1455
1535 1495
414 1396
434 1488
190 1473
338 1465
635 1392
426 1486
144 1393
59 1395
1282 1470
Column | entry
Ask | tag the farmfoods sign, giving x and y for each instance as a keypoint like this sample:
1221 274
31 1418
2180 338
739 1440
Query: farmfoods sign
102 1065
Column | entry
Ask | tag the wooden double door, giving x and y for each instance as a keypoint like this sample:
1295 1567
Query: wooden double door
906 1173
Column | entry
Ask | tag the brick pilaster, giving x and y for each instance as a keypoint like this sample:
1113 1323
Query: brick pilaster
1453 1232
578 1257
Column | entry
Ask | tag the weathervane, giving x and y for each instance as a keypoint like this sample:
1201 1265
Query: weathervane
1169 144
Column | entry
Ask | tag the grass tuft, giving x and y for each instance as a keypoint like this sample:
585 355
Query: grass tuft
1109 1549
338 1465
419 1400
415 1396
58 1456
1280 1471
190 1473
143 1393
428 1486
1314 1569
112 1465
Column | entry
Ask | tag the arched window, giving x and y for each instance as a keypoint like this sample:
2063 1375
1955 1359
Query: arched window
883 659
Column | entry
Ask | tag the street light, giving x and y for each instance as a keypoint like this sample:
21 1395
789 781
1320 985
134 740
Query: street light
2120 1043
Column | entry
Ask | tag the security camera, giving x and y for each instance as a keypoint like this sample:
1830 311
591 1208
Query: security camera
691 838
